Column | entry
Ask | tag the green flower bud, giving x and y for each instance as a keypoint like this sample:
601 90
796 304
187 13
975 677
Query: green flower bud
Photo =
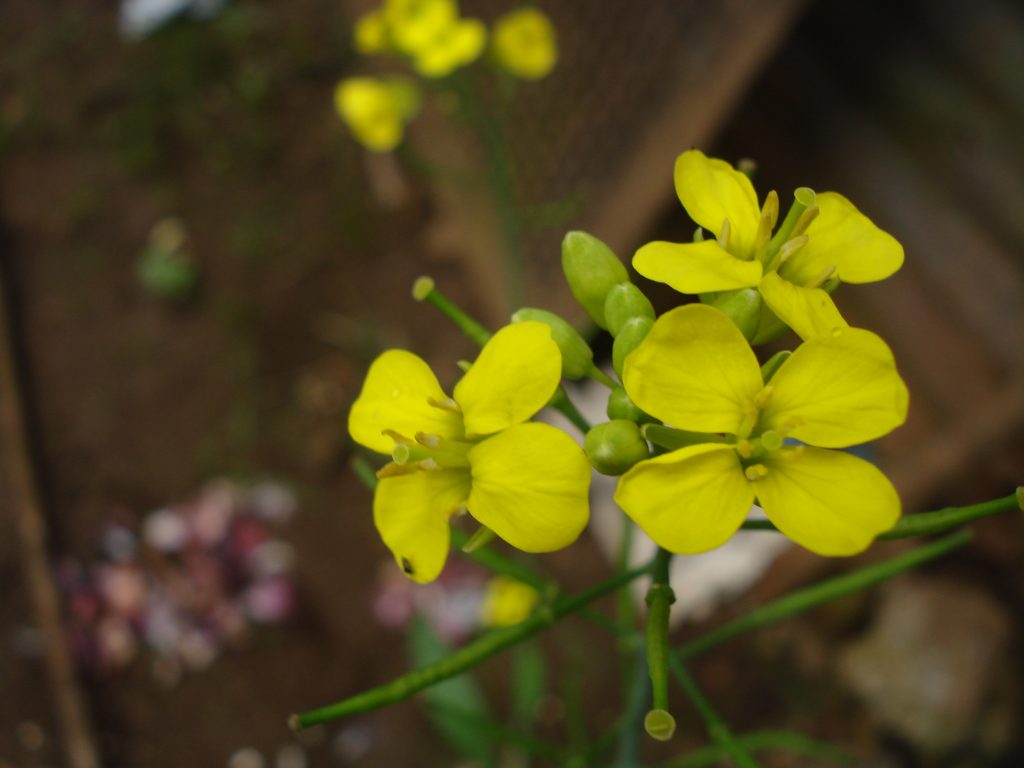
743 306
624 302
577 357
591 269
629 338
615 446
621 407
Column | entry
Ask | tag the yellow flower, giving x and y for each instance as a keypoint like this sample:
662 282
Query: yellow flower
377 111
507 602
432 34
696 372
473 452
371 33
524 43
840 243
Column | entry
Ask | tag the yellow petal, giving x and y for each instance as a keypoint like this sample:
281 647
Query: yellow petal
830 502
411 513
530 486
694 371
695 267
810 312
515 376
844 238
838 390
690 500
395 396
711 191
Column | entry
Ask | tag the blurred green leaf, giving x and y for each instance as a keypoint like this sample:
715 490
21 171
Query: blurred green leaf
445 700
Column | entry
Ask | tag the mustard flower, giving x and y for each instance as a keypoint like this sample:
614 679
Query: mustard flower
696 372
472 452
523 42
831 241
507 601
377 111
429 32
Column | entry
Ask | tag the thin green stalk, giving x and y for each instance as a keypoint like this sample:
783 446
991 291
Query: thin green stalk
465 658
500 565
927 523
717 728
764 741
832 589
628 748
561 402
425 290
659 723
364 471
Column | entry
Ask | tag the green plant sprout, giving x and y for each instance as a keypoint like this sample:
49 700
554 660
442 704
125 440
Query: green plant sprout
698 430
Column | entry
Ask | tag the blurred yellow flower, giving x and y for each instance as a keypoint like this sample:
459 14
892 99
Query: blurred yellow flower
507 602
696 372
524 44
377 110
472 453
430 33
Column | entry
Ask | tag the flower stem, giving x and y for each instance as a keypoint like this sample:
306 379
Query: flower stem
659 723
927 523
465 658
826 591
561 403
717 728
425 290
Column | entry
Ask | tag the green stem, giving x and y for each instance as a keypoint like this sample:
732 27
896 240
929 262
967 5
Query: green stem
832 589
425 290
561 402
659 601
927 523
601 377
465 658
500 181
764 741
717 728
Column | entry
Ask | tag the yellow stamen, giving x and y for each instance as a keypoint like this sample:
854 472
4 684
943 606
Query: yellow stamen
769 217
391 469
429 441
820 279
791 247
725 235
447 404
745 448
756 472
804 221
398 437
761 398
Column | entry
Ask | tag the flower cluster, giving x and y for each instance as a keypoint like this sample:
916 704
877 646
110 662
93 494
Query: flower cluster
699 429
435 40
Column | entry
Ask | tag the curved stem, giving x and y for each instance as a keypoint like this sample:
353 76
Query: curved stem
718 730
809 597
926 523
464 659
